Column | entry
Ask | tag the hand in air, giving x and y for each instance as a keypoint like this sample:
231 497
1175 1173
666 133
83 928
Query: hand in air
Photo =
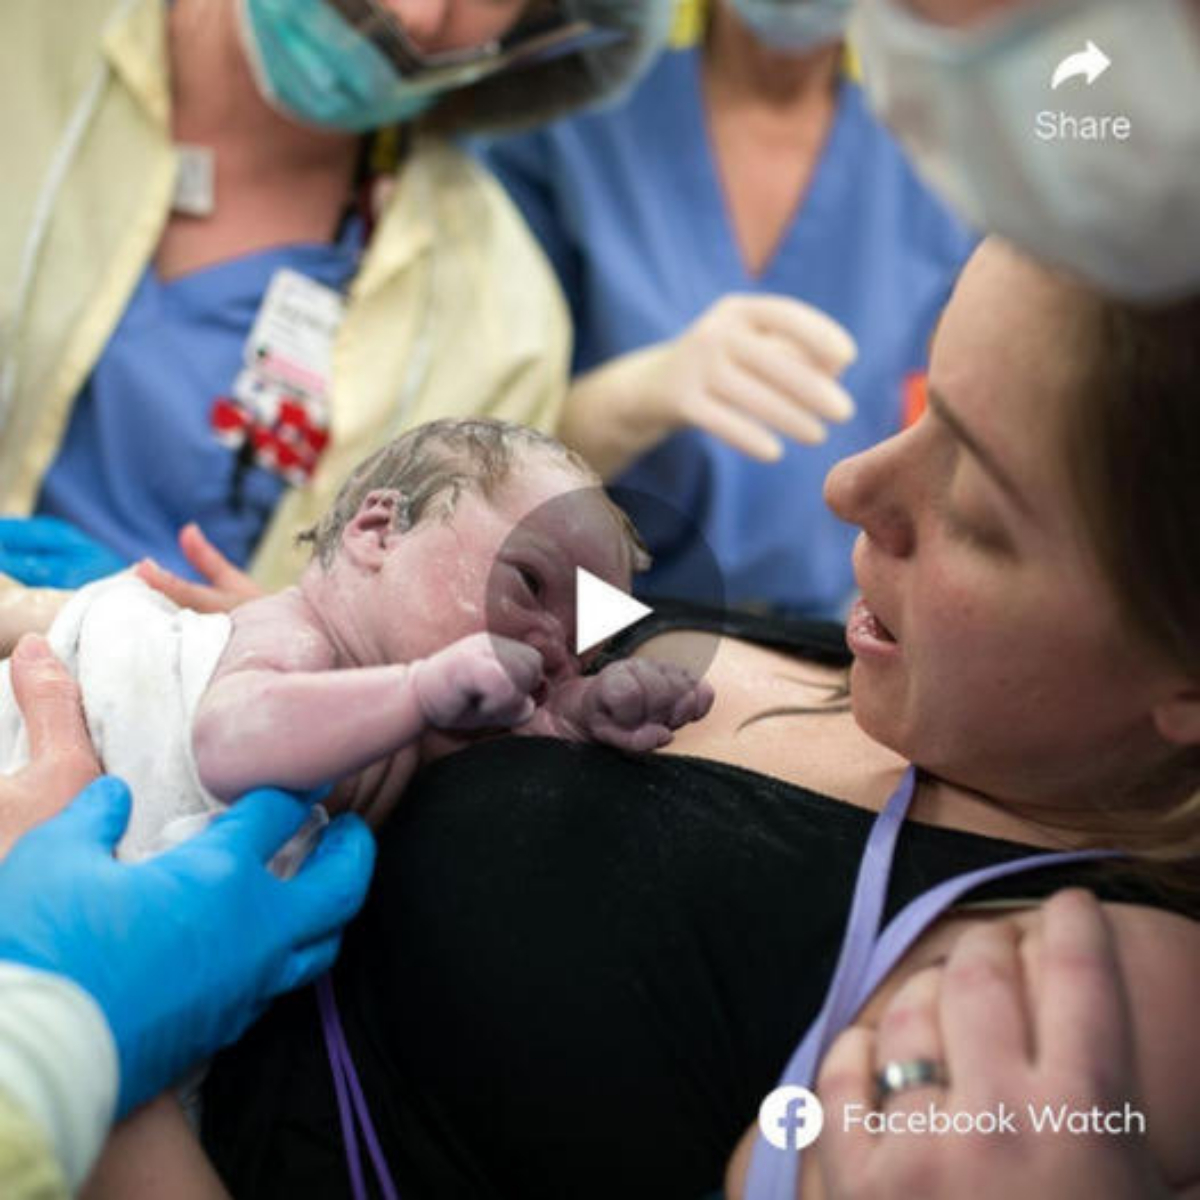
637 703
227 586
478 682
751 371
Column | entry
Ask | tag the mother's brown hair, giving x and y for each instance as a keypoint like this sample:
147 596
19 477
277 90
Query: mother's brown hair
1133 449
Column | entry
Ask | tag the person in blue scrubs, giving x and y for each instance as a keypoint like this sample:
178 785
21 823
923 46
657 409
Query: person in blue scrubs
306 146
740 166
178 346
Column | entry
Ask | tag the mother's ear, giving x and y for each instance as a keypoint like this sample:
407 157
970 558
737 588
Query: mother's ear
1178 717
371 532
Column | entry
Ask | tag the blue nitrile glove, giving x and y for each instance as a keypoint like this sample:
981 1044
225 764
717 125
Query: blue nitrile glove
47 552
182 951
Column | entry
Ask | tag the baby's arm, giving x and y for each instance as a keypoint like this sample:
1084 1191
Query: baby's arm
280 709
634 704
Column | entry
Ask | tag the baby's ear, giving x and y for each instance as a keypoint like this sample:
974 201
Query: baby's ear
370 533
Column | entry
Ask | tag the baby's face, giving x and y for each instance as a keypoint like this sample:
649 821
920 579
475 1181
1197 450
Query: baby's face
505 564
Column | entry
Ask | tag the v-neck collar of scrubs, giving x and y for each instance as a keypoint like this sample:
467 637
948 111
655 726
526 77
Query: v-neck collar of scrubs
822 198
141 455
330 263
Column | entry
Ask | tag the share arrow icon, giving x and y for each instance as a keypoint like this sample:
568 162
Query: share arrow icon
1090 63
601 610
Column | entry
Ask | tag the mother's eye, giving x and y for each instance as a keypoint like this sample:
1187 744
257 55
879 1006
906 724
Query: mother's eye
978 534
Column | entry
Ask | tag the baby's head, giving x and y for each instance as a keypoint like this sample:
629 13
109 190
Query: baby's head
471 524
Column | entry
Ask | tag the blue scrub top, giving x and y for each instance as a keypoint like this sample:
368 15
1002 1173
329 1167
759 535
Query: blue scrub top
627 202
140 458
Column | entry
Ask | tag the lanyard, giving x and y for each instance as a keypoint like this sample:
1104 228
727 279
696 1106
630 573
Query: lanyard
867 957
351 1102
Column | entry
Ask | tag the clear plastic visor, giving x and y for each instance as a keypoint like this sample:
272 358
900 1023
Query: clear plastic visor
544 35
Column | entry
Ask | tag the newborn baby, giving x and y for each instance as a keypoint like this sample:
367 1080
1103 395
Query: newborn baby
379 658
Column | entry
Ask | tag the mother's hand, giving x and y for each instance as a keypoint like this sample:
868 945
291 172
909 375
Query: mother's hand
61 758
227 586
1008 1025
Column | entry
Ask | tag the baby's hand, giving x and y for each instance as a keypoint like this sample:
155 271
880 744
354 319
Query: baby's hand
478 682
636 703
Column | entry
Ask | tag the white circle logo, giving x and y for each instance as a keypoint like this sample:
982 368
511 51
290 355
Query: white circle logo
791 1118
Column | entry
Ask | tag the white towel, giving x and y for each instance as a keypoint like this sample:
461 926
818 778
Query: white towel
142 666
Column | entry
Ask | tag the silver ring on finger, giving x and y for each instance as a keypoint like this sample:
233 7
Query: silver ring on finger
907 1074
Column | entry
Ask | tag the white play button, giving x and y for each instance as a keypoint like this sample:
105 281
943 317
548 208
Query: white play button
602 610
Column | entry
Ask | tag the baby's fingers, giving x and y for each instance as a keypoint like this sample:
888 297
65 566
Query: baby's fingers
640 740
693 704
622 695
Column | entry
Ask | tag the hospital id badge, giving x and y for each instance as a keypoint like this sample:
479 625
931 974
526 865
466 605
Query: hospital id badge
277 415
291 342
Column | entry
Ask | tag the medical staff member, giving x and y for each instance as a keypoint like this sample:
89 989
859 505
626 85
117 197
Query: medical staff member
968 86
114 979
743 176
218 292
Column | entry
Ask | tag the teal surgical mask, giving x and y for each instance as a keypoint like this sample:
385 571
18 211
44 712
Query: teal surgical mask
316 68
795 24
350 64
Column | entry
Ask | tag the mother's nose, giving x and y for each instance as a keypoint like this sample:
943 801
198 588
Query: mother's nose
869 490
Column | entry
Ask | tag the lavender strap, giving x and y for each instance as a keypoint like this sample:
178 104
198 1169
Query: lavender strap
912 920
382 1174
773 1172
866 906
867 958
351 1100
326 1004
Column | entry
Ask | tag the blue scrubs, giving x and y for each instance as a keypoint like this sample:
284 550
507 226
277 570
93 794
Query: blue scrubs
140 458
627 203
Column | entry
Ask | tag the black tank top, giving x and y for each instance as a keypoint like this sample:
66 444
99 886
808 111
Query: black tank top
578 972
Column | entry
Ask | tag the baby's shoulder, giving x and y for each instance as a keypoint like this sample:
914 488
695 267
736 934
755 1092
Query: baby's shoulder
280 631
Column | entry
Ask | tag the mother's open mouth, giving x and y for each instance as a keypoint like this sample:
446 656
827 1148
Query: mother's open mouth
866 634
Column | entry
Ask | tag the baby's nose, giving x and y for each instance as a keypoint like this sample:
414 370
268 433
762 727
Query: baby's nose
549 640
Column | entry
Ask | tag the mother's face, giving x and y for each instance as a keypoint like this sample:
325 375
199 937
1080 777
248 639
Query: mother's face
989 649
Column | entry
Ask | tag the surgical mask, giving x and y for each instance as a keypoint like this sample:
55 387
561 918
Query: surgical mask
977 111
795 24
349 64
314 67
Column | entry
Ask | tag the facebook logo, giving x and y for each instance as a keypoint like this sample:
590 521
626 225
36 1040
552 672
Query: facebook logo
792 1121
791 1118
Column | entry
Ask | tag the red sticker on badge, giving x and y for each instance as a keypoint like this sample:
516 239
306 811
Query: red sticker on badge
290 443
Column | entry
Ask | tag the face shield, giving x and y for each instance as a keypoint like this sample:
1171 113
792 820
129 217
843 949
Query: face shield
542 36
351 65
